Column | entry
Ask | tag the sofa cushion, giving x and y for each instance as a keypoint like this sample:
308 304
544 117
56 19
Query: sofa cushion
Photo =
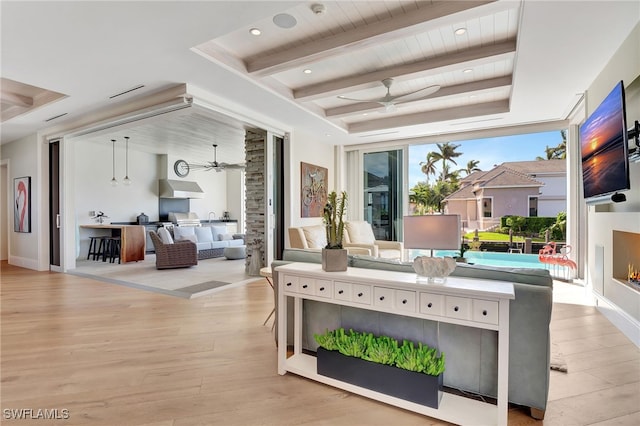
360 232
179 232
316 236
204 234
204 245
165 236
217 230
219 244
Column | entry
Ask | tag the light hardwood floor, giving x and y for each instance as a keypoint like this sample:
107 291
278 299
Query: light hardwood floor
113 355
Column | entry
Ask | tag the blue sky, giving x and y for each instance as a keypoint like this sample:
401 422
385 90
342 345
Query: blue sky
490 152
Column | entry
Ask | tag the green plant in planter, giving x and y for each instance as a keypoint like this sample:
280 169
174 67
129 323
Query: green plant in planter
332 217
384 350
422 359
353 344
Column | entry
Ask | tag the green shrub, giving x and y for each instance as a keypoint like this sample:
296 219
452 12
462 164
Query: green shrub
383 350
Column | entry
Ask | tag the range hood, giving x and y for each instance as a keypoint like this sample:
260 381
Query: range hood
180 189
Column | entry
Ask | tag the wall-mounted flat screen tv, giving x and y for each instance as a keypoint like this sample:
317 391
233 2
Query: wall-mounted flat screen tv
605 148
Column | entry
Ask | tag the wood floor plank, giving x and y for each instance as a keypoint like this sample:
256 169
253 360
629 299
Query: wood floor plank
114 355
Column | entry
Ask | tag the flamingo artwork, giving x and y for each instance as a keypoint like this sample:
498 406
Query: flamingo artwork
21 214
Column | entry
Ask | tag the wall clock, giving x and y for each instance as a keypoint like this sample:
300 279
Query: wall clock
181 168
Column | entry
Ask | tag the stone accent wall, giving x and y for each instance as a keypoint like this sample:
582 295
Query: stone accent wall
255 194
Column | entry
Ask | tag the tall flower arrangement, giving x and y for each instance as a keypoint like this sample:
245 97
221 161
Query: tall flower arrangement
332 217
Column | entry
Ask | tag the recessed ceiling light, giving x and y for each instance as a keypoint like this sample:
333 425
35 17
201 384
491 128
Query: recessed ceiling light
307 71
284 20
460 31
467 71
255 31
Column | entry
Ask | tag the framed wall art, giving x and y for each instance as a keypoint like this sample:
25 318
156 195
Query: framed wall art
22 204
313 189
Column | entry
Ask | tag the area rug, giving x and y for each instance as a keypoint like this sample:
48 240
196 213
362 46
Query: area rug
558 362
186 283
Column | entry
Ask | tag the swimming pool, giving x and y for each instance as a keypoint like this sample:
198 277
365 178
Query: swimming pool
489 258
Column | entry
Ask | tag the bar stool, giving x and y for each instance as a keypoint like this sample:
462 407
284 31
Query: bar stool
112 249
96 247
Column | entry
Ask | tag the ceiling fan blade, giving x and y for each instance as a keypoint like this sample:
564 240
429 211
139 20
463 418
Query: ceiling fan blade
373 101
425 91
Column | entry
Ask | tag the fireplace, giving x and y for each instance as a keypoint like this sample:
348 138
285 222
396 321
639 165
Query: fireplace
626 253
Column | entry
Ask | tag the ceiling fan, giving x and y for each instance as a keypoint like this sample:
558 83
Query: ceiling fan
215 165
390 101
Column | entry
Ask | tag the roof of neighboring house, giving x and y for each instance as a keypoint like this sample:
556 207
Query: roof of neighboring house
499 177
538 167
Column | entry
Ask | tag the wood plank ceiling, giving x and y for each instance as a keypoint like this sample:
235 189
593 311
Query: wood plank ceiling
346 48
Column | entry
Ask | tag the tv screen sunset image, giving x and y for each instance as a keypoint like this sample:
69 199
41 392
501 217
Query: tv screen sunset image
603 150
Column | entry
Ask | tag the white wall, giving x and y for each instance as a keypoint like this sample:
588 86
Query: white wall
313 149
4 210
603 219
23 158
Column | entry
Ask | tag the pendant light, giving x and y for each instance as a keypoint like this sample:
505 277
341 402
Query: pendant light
126 180
114 181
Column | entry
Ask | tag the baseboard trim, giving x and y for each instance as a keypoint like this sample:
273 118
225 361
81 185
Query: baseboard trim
629 326
24 262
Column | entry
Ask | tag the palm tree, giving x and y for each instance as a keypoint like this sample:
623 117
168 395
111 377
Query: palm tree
472 166
429 167
557 152
447 153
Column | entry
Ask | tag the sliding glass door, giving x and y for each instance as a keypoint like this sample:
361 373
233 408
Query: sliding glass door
382 193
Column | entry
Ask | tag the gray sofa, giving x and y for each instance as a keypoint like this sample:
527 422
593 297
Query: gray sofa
471 354
210 240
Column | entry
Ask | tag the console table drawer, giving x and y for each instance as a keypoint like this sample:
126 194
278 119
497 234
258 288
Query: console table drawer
485 311
383 297
458 307
306 285
324 288
432 304
291 283
361 294
342 291
405 300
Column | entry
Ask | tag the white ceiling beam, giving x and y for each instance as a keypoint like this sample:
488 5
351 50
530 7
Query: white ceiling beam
458 89
395 28
464 59
447 114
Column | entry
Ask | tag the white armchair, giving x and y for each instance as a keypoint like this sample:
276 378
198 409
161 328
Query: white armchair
315 238
360 234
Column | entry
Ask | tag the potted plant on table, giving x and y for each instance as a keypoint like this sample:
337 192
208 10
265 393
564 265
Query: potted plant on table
334 256
380 363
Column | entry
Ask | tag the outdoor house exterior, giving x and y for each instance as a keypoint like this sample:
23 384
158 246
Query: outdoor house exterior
522 188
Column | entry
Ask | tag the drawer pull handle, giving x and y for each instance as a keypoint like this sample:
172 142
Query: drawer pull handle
305 286
288 284
381 297
429 305
404 301
340 291
484 312
321 288
359 294
456 309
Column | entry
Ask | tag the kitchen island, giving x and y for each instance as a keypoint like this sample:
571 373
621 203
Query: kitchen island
132 239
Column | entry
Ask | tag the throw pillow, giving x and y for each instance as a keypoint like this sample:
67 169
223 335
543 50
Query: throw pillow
360 232
165 236
182 231
204 234
225 237
191 238
217 230
316 236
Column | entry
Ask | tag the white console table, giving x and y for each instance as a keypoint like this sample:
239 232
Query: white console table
468 302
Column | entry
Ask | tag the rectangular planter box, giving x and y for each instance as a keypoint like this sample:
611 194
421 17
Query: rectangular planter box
408 385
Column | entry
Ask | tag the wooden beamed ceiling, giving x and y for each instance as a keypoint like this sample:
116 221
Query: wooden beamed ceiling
352 47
